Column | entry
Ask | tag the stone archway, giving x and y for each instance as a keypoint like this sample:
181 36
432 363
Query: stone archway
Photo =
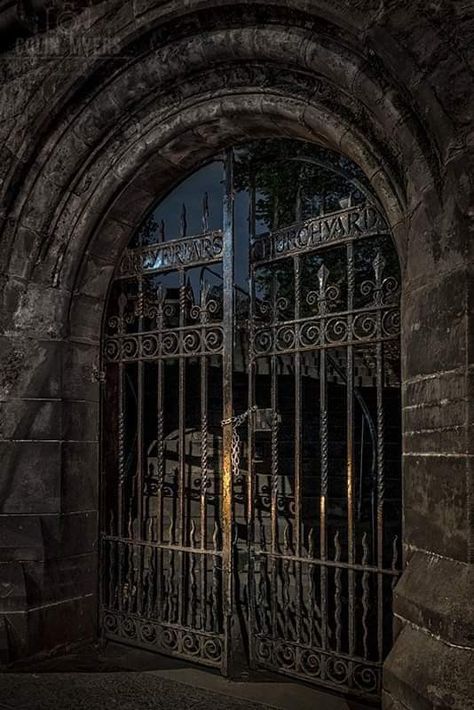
100 160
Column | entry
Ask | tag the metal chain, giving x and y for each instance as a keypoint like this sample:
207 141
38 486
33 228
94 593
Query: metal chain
237 420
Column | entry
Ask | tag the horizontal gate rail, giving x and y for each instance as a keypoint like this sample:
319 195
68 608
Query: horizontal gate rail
163 545
327 563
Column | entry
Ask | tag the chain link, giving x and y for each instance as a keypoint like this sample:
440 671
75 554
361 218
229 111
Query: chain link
237 420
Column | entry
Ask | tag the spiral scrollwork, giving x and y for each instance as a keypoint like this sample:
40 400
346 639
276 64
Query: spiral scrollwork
190 644
263 340
112 349
366 678
263 650
128 627
285 338
129 348
391 323
285 655
110 622
364 326
212 650
337 670
148 632
336 330
310 663
309 333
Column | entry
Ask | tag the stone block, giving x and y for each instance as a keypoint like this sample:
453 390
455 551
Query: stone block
79 476
69 534
13 587
29 367
31 476
438 440
435 593
435 504
21 538
436 323
57 579
79 371
30 419
80 420
95 278
423 673
86 314
51 625
111 238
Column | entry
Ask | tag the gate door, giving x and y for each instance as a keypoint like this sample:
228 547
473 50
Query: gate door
166 551
324 461
251 422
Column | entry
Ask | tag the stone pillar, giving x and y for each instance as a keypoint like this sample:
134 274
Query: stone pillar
432 661
48 494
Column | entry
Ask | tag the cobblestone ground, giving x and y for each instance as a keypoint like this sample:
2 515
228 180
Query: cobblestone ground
105 691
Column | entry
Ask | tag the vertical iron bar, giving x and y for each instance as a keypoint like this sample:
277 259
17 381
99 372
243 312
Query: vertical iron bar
380 487
251 483
230 621
350 454
274 467
298 433
161 477
204 463
323 431
121 454
140 406
140 418
181 452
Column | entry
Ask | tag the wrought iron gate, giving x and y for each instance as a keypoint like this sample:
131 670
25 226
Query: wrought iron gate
251 443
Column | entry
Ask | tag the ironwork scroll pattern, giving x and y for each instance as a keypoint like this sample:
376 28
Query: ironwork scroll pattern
172 640
182 342
314 333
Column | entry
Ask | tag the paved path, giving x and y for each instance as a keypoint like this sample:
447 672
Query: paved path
117 691
124 678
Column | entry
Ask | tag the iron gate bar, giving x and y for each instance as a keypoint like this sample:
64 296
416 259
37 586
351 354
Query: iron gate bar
350 450
231 632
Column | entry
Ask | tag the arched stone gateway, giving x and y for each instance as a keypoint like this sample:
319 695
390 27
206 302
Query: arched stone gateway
92 140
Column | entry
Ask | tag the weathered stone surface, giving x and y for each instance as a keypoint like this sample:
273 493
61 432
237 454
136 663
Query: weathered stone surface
435 593
423 674
79 480
31 481
436 517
